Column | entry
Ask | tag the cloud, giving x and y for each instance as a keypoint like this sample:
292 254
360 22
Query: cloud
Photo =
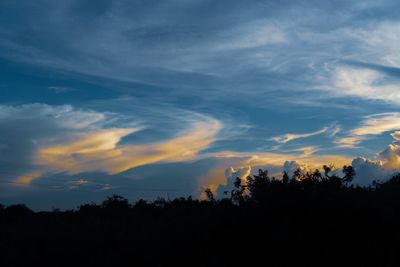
25 128
291 136
372 125
251 35
246 51
92 150
368 170
230 175
307 150
379 40
73 140
367 84
385 165
264 64
77 183
242 172
291 166
85 185
100 150
241 164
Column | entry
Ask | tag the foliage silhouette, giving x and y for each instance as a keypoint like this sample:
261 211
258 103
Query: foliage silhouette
312 218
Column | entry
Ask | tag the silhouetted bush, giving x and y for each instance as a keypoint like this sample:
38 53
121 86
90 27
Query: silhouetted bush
312 218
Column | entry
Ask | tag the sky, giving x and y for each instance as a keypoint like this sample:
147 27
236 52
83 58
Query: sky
152 99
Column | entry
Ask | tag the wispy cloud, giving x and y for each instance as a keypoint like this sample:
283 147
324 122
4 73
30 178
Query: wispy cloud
293 136
73 141
101 151
251 67
372 125
366 83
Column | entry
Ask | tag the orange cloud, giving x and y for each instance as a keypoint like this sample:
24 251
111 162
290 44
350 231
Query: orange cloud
100 151
27 178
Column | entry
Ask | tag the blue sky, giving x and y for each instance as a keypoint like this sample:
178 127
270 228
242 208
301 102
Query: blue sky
165 98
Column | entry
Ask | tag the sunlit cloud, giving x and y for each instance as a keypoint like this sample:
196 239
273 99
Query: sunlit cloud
137 88
241 164
383 166
293 136
92 150
25 128
307 150
100 150
73 141
371 126
28 178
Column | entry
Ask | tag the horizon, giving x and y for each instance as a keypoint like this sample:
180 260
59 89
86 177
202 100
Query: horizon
146 99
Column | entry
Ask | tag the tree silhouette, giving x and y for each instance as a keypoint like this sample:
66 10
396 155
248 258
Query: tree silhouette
116 203
285 178
209 195
237 193
314 218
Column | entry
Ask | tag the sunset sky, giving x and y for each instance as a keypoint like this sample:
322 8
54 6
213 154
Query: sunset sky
165 98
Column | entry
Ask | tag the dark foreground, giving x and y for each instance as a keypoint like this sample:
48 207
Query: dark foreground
310 220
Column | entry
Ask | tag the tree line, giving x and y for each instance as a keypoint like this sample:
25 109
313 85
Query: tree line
316 218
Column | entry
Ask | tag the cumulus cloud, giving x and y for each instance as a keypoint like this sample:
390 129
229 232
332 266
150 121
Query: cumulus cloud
230 175
242 172
386 164
242 164
368 170
291 166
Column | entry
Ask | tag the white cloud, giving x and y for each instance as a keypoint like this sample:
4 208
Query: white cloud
368 170
230 175
365 83
242 172
371 126
379 41
386 164
291 166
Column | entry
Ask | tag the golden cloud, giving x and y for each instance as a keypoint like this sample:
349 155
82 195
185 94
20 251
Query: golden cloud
100 151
